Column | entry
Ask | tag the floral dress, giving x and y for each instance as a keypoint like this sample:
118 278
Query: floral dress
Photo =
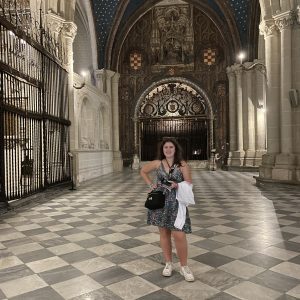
165 217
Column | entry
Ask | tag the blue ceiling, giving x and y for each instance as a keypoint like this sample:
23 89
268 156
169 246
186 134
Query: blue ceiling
105 11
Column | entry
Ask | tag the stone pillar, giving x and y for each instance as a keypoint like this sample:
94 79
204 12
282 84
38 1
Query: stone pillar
250 152
136 159
68 32
272 101
100 80
232 112
238 154
260 114
117 157
296 81
285 161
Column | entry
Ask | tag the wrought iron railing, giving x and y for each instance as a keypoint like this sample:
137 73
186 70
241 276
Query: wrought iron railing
18 15
34 121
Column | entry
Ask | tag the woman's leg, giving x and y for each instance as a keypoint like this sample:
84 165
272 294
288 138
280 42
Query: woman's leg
165 243
181 246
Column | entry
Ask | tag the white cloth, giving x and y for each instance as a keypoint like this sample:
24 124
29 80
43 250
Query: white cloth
185 197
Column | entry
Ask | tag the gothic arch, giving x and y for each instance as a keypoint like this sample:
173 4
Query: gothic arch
170 80
230 35
86 138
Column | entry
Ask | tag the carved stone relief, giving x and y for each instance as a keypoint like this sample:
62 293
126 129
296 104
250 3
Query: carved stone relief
173 100
172 35
172 40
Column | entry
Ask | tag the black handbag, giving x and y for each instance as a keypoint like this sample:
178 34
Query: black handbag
155 200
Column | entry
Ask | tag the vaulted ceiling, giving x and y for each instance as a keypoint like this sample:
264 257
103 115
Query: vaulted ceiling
240 18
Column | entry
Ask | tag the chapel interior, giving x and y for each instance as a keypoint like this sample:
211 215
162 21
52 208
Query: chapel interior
88 90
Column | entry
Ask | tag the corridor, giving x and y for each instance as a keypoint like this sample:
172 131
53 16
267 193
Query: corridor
93 243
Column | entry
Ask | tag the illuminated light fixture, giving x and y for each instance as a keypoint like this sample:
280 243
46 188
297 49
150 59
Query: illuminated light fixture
262 108
241 57
83 74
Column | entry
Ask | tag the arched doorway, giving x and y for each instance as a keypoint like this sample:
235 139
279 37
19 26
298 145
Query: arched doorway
174 107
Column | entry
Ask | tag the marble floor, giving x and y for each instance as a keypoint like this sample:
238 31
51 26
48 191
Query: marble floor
93 243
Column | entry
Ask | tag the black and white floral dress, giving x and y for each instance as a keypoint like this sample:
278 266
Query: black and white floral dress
165 217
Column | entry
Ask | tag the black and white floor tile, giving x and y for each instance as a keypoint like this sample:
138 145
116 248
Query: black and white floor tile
93 243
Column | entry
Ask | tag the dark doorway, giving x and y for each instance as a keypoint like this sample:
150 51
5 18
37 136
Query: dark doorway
192 135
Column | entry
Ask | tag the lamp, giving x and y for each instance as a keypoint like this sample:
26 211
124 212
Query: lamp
241 56
83 73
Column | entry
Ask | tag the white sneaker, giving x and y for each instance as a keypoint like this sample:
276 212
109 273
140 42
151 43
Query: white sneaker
187 273
167 271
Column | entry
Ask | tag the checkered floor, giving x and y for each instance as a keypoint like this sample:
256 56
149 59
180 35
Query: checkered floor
93 243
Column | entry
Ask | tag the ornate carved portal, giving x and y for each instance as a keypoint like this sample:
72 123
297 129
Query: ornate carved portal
175 40
174 109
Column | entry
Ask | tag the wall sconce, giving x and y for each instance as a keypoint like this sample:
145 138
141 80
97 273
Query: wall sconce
241 56
261 107
83 73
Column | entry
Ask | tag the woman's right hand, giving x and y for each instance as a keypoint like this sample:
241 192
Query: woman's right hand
152 187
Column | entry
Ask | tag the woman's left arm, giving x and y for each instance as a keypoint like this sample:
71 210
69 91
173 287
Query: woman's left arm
186 172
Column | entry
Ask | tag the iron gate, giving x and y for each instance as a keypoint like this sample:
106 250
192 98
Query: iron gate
34 135
191 133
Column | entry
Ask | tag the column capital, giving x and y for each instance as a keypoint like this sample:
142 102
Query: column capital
229 71
109 74
99 73
268 28
238 69
54 22
248 66
285 20
69 30
116 77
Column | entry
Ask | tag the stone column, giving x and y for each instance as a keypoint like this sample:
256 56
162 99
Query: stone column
100 80
285 161
117 157
250 152
260 113
238 155
232 112
136 159
296 80
69 31
272 100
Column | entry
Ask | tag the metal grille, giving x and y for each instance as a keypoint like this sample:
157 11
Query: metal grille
34 135
190 133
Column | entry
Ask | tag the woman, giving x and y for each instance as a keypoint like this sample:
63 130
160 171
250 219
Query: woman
170 170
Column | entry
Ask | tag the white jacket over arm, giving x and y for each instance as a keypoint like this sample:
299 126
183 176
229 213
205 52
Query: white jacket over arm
185 197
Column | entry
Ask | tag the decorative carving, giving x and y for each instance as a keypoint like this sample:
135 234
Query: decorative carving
286 20
69 30
171 100
268 28
191 30
172 35
54 22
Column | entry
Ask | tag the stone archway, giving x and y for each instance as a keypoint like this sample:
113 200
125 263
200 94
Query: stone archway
174 107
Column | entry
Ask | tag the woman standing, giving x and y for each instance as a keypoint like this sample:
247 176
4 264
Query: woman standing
171 169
